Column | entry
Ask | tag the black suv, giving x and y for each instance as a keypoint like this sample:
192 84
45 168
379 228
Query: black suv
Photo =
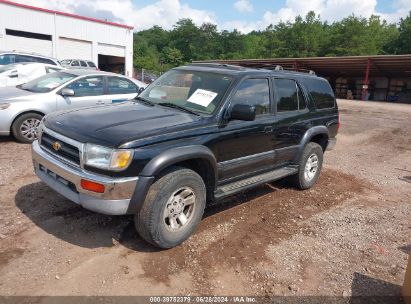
196 135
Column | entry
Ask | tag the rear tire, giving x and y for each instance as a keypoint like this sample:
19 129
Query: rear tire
310 165
173 208
24 128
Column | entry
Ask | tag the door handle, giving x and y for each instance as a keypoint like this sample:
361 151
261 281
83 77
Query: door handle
99 102
268 129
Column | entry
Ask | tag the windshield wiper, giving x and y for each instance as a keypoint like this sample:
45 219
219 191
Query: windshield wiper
175 106
145 101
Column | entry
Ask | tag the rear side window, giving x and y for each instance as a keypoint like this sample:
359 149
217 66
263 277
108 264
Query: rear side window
117 85
91 64
45 60
254 92
321 92
83 63
288 96
24 58
7 59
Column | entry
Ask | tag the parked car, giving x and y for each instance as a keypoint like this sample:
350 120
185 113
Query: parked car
19 73
18 57
196 135
78 64
22 107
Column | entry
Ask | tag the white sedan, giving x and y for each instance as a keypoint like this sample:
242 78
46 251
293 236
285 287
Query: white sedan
19 73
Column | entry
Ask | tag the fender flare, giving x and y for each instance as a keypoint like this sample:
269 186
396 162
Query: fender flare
310 133
162 161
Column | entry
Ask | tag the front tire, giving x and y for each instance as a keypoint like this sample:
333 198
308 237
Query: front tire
310 165
24 128
173 208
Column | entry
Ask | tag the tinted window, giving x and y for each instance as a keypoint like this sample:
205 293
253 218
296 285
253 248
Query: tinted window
117 85
254 92
321 92
23 58
75 63
83 63
301 99
88 86
91 64
45 60
286 95
289 96
6 59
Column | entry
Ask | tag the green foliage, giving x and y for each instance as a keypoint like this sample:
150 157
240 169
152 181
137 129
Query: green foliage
402 42
159 50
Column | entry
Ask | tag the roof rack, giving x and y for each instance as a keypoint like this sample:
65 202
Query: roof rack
281 68
228 66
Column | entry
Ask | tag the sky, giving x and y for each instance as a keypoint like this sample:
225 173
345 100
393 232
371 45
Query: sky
243 15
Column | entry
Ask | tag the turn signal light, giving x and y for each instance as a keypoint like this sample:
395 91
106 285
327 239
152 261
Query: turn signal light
92 186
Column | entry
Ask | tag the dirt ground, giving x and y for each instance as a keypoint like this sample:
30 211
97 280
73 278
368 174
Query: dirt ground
349 235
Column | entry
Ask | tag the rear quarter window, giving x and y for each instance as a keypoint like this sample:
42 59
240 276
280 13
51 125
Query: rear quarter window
321 92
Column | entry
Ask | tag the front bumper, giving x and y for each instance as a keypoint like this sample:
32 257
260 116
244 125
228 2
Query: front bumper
66 180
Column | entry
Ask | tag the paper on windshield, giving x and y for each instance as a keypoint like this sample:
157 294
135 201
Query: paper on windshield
202 97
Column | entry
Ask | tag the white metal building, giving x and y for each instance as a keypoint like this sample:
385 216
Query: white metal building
66 36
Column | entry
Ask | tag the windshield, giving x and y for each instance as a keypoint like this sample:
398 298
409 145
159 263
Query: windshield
65 62
47 82
200 92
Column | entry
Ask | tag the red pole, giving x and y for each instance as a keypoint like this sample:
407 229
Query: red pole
365 84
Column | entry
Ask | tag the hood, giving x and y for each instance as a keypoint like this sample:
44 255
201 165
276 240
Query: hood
114 125
9 94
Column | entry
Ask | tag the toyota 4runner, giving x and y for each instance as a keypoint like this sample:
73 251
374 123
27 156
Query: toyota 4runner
196 135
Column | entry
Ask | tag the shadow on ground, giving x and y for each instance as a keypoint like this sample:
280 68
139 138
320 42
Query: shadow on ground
366 289
6 139
71 223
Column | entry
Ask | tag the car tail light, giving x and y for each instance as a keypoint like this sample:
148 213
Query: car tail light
92 186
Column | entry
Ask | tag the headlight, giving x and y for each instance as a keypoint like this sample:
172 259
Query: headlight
107 158
4 106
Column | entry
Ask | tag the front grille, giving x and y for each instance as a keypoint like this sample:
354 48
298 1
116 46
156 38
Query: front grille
66 150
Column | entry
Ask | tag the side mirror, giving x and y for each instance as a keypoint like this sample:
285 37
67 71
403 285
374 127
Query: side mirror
141 89
13 74
67 92
243 112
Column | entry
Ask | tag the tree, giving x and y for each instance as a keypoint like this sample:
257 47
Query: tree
402 44
186 37
171 56
158 49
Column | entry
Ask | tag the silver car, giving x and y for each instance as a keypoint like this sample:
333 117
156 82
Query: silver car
78 64
22 107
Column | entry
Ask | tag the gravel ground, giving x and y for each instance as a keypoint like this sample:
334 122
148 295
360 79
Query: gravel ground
349 235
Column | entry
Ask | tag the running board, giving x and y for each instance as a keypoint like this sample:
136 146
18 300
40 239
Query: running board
253 181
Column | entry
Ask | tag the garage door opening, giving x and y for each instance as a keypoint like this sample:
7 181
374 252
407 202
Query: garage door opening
111 64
